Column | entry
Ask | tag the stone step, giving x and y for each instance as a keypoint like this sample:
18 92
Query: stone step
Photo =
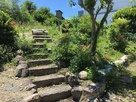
42 39
39 62
39 32
42 70
48 80
41 36
70 99
37 56
42 50
54 94
39 45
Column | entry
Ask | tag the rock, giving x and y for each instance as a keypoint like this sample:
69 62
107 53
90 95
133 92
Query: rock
39 31
67 75
83 75
22 62
19 52
20 58
119 62
30 87
126 79
33 91
21 70
92 91
107 69
125 58
27 81
32 98
20 66
73 81
76 93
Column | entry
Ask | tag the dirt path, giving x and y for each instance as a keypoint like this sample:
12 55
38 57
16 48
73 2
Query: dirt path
11 88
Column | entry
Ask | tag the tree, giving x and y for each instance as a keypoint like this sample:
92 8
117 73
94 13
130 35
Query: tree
93 10
5 6
29 6
42 14
11 7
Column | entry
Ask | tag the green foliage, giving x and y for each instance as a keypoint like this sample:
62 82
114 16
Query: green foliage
42 14
93 74
29 7
7 33
84 25
51 21
116 33
81 60
66 25
128 13
25 44
131 49
6 54
70 45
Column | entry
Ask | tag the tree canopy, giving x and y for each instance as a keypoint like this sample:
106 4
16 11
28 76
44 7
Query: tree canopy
93 10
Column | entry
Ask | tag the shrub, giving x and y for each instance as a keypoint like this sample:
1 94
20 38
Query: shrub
93 74
128 13
85 25
68 45
8 37
81 60
116 32
7 33
25 44
6 54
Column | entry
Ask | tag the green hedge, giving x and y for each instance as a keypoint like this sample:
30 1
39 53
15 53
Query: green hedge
128 13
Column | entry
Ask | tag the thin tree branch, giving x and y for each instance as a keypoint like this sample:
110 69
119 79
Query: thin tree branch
99 9
109 8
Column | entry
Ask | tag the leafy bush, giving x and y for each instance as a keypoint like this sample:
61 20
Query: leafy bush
6 54
64 48
128 13
81 60
85 25
131 49
8 39
93 74
25 44
116 33
7 33
69 44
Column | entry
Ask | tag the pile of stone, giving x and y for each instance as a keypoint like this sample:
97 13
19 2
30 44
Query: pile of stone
22 67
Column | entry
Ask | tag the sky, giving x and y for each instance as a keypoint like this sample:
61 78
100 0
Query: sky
58 5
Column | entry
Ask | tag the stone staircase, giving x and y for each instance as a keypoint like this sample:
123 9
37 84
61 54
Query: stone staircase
50 84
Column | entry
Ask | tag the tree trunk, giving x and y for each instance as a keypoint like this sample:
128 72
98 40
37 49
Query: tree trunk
94 34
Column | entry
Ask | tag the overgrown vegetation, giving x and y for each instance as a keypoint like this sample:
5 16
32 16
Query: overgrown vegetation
71 46
8 38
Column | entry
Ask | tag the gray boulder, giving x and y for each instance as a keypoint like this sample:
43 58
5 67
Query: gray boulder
20 58
76 93
30 87
21 70
83 75
32 98
19 52
73 81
